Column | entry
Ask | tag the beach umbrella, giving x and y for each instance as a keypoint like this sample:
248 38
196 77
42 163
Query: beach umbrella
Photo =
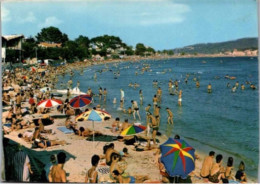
80 101
93 115
178 157
44 89
49 103
132 130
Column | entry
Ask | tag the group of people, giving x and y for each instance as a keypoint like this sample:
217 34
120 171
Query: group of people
215 172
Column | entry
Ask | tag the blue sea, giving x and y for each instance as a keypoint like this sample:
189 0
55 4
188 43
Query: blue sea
222 121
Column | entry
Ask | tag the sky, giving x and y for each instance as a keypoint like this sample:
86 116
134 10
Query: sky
161 24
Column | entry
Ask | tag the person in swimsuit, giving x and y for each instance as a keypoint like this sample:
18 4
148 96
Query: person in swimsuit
109 152
216 172
155 100
180 98
229 168
135 109
170 116
156 114
209 88
100 93
207 165
57 173
105 94
241 175
154 125
141 97
47 143
92 174
130 179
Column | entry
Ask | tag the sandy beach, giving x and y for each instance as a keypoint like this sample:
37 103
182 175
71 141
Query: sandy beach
139 163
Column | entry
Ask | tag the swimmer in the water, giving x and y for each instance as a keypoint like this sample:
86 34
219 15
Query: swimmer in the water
209 88
180 98
197 84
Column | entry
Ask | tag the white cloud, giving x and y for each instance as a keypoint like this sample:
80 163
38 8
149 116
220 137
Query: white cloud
29 18
50 21
5 15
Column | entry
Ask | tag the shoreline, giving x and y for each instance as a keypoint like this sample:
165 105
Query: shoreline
98 148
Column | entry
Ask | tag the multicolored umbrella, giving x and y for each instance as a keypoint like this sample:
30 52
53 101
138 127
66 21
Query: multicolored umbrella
80 101
178 157
93 115
132 130
49 103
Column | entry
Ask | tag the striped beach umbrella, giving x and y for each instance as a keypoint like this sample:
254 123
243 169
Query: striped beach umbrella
93 115
49 103
132 130
80 101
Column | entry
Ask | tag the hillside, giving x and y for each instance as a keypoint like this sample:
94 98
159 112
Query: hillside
214 48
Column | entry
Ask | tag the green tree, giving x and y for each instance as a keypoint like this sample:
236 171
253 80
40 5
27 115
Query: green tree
29 47
140 49
52 34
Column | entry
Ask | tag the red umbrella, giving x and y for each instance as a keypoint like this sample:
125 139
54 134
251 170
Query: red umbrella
80 101
49 103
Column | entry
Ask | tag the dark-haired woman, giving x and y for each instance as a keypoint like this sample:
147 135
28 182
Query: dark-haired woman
92 174
229 168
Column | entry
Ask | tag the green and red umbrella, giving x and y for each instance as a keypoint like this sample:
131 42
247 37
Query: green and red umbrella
132 130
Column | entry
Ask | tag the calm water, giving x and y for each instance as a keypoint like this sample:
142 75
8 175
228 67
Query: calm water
223 121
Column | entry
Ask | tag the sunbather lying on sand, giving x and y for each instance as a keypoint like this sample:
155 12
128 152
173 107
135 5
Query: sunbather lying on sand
85 132
129 180
47 143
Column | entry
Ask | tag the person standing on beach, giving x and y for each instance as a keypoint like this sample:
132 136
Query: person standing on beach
141 97
207 165
170 116
135 109
78 84
154 125
57 173
147 112
92 174
156 114
122 95
180 98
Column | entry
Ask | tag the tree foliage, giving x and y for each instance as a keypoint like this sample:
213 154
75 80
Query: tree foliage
52 34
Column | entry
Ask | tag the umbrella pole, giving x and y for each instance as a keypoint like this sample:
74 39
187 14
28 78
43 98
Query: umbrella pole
93 132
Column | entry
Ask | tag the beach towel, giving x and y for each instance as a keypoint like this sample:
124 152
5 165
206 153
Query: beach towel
65 130
103 169
103 138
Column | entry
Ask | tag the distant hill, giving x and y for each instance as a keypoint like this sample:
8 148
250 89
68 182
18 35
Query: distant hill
214 48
